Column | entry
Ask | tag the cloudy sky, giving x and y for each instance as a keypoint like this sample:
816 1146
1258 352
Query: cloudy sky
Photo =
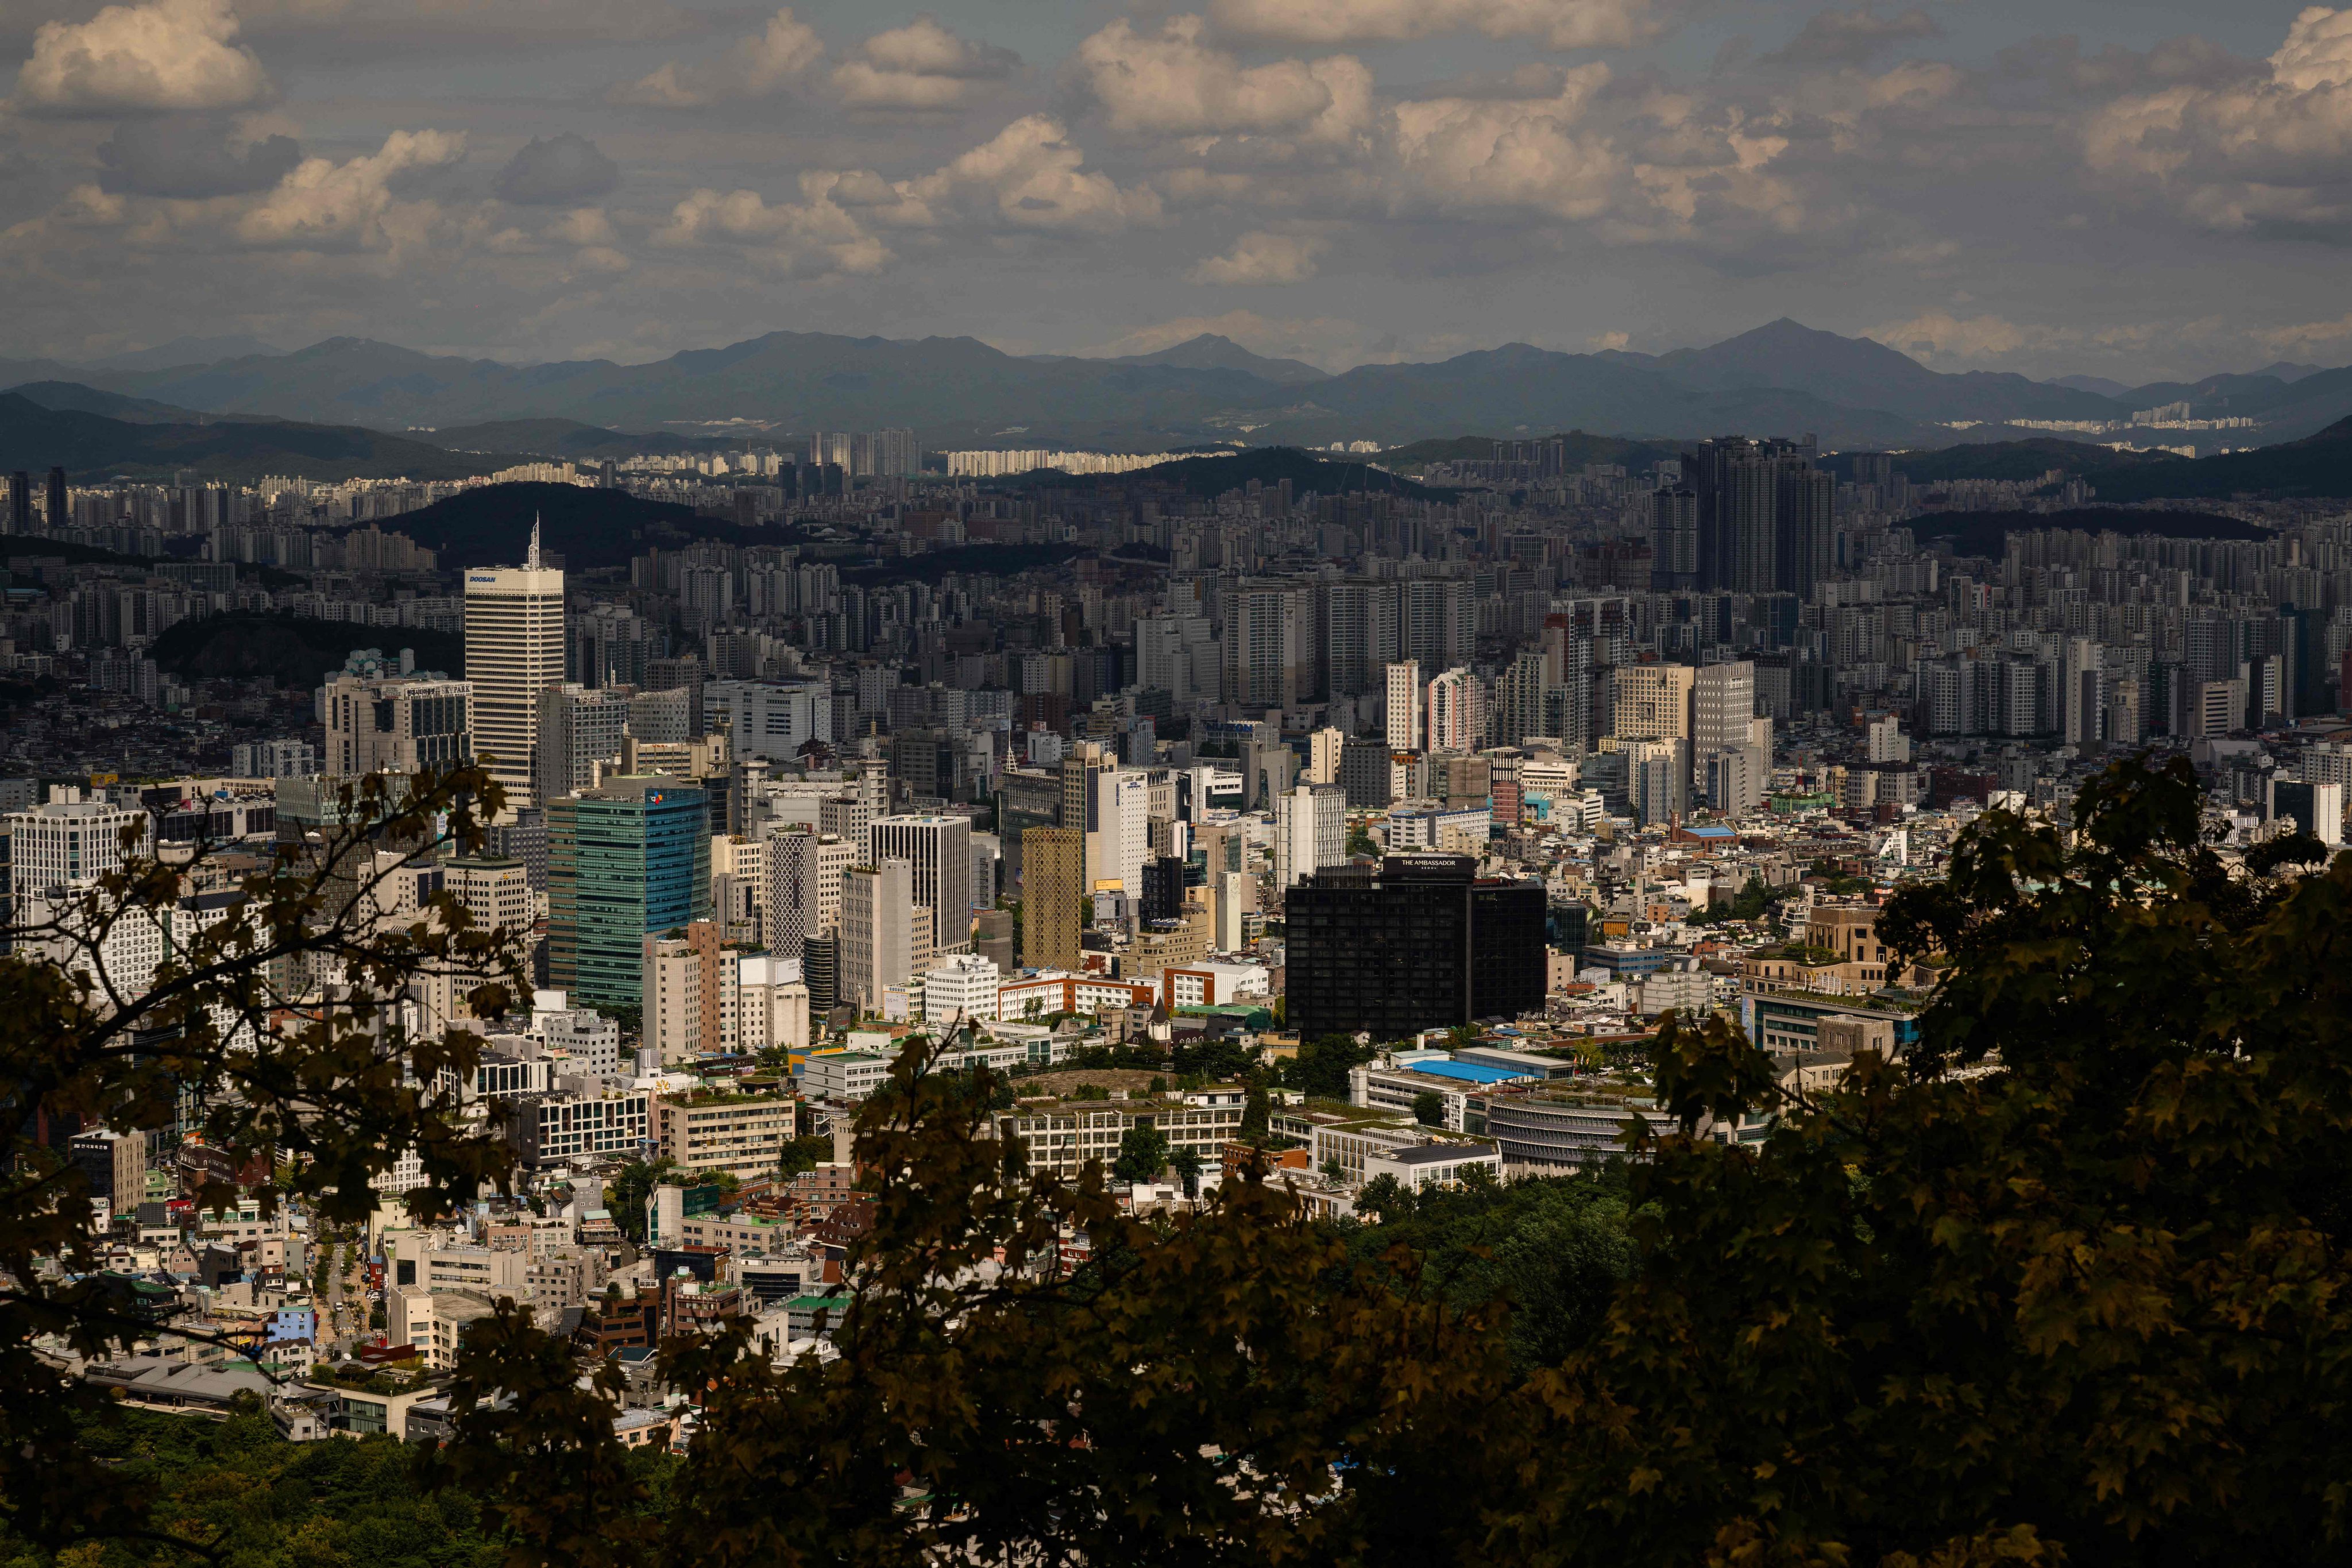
2120 187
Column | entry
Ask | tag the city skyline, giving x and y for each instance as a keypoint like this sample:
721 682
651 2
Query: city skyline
2130 193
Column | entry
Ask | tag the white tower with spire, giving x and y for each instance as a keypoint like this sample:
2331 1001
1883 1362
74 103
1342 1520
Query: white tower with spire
514 651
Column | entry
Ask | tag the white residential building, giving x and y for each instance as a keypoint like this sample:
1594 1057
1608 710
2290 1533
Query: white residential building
965 987
772 1004
1310 831
1405 699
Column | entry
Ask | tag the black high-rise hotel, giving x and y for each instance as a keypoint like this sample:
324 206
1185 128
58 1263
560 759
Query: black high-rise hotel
1420 943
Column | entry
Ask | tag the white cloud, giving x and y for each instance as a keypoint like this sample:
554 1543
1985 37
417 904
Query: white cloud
1259 257
472 23
1028 178
1173 83
813 237
756 67
2266 148
327 205
1557 23
172 55
2307 336
2317 52
1469 154
1940 334
917 67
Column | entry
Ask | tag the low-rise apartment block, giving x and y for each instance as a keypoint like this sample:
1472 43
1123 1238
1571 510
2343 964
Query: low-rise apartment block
712 1131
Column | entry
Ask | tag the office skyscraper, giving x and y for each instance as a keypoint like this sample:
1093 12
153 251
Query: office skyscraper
1651 702
578 727
1723 701
1418 943
939 849
59 513
396 723
877 916
1054 898
629 857
804 872
20 502
514 651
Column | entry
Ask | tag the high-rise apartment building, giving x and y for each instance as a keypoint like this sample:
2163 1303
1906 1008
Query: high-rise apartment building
1804 524
1673 539
1763 515
1055 899
1405 699
514 651
1438 622
1267 640
580 728
1165 647
628 857
683 983
1310 831
1324 749
1362 635
395 723
939 851
1419 943
739 876
1455 703
2081 695
1518 706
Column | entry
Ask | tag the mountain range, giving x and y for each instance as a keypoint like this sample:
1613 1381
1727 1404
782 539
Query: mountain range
1780 379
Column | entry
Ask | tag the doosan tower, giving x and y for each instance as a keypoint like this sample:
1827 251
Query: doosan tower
514 651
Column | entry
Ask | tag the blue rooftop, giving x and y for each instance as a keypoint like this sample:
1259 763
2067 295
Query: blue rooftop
1468 1072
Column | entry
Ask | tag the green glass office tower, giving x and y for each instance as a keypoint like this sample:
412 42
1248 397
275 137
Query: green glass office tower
629 857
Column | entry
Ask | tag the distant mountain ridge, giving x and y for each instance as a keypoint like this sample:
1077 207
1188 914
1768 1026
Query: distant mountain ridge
34 436
1211 350
1780 379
